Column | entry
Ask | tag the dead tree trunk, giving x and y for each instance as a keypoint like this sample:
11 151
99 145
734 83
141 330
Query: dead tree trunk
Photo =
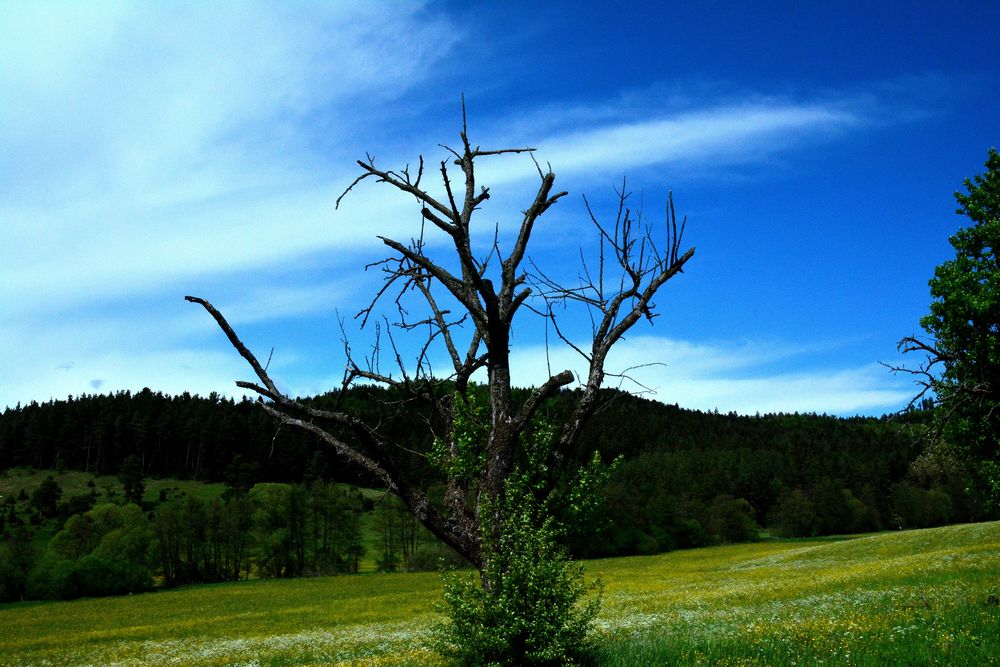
618 287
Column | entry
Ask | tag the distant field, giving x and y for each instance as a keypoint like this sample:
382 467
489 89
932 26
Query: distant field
76 483
109 489
914 597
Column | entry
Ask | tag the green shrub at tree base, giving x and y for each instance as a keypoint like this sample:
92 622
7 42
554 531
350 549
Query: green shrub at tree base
528 603
528 608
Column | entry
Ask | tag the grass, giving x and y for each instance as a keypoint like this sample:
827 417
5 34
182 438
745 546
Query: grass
73 483
914 597
107 487
277 622
205 491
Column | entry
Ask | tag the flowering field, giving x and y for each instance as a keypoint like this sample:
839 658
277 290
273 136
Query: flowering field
914 597
906 598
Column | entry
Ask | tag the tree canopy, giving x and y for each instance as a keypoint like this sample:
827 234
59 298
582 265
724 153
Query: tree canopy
962 365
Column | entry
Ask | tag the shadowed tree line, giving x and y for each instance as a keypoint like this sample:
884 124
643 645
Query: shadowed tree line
685 478
186 437
107 548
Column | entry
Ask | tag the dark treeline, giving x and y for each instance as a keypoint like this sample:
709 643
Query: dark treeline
691 478
186 437
685 478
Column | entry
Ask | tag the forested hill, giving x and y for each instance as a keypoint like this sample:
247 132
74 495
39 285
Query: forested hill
685 476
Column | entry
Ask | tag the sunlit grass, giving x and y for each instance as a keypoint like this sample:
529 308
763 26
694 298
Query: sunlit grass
916 597
72 482
77 483
300 621
205 491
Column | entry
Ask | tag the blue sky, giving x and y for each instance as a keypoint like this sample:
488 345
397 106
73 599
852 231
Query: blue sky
153 150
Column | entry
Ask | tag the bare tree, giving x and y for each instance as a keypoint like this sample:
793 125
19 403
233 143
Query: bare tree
469 310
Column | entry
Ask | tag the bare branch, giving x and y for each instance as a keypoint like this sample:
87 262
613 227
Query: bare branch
541 204
538 396
459 289
443 326
406 186
237 343
929 379
641 271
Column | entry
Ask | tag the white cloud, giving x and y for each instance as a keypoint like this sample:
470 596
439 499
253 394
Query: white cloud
287 301
154 141
90 261
157 142
133 95
112 354
744 377
731 133
692 141
722 134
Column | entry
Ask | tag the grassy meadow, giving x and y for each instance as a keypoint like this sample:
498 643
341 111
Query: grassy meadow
106 487
913 597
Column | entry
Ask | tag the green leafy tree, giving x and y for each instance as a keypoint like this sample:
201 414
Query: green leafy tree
169 544
129 536
107 530
279 521
334 529
104 551
962 355
77 538
399 531
133 480
230 523
794 515
731 520
46 498
17 556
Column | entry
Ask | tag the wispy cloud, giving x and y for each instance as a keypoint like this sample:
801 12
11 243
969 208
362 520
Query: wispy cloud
117 353
149 98
150 149
730 133
287 301
743 376
153 141
154 144
714 134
